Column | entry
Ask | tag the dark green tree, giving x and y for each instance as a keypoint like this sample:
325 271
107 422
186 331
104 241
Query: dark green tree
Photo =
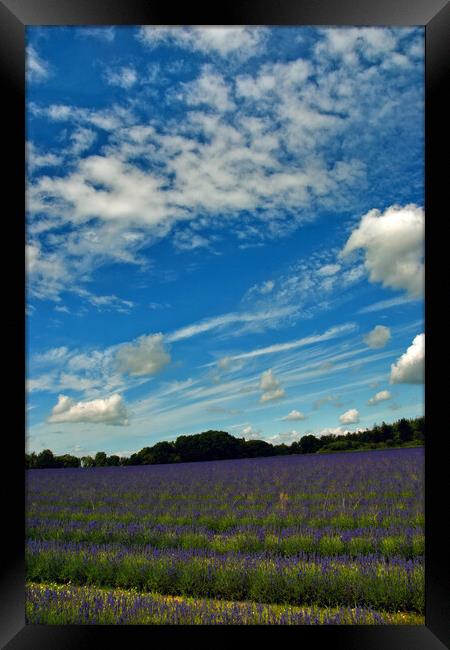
309 444
45 459
405 430
256 448
162 452
67 461
100 459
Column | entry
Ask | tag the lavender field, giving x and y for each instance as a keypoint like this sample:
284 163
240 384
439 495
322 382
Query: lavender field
307 539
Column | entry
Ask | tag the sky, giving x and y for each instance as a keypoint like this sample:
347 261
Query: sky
224 230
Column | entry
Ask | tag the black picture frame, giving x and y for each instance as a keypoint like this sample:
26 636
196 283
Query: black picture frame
15 15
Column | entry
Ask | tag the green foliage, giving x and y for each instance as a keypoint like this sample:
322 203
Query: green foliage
100 459
220 445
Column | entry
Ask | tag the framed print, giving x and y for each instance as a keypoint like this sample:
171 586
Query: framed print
224 225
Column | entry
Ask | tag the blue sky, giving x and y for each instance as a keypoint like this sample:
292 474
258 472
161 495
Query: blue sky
224 230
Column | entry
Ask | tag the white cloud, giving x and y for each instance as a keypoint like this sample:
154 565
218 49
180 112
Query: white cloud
102 33
42 383
349 44
54 355
349 417
37 68
111 410
224 41
329 269
145 356
323 400
393 244
209 88
331 333
124 77
46 273
267 317
294 415
263 288
106 303
82 139
270 386
36 159
410 367
378 337
185 240
261 170
387 304
285 437
334 431
382 396
249 433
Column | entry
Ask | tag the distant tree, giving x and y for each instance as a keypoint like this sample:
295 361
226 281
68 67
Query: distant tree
282 450
145 456
310 444
100 459
217 445
419 429
405 430
45 459
386 432
30 460
67 461
256 448
135 459
162 453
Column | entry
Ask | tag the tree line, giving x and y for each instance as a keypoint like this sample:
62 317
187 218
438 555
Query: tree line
220 445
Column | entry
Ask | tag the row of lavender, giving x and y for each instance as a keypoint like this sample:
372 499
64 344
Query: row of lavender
62 605
408 542
330 531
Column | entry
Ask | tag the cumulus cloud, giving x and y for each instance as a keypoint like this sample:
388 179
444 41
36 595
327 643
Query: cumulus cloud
249 433
263 165
270 386
125 77
393 245
210 88
378 337
379 397
145 356
294 415
54 355
43 383
285 437
36 159
110 410
82 139
349 417
243 41
410 367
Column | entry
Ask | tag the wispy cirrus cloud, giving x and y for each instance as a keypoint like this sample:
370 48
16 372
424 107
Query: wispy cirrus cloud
37 68
267 317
